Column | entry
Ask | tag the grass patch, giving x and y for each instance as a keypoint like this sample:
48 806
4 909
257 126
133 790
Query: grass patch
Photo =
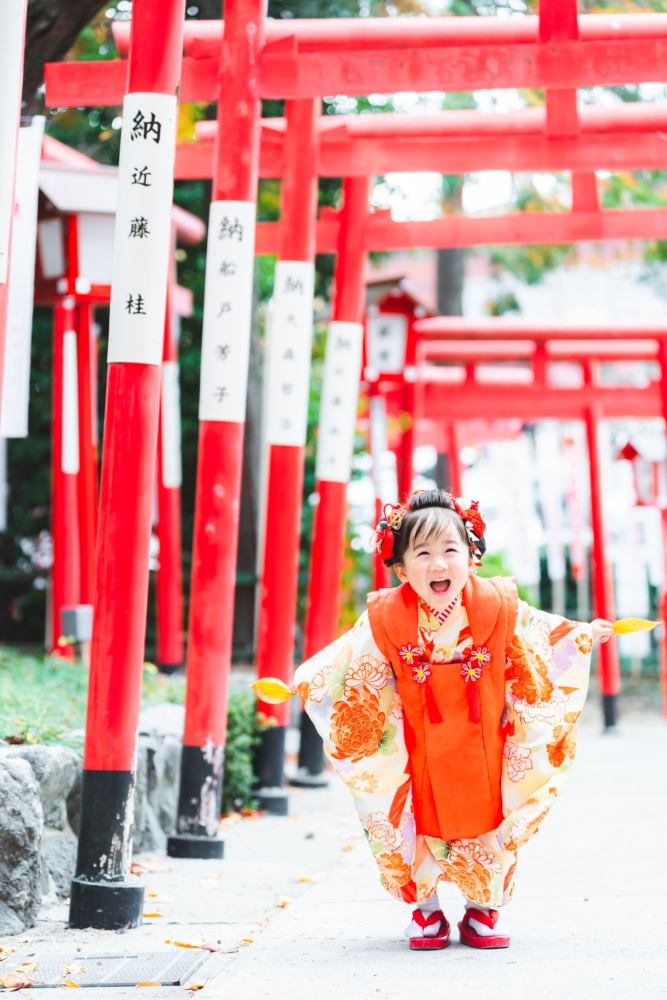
44 700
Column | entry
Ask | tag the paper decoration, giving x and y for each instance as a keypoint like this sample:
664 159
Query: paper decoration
172 474
338 407
143 229
16 379
12 13
227 311
290 339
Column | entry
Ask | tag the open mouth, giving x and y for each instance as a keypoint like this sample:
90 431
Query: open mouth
439 586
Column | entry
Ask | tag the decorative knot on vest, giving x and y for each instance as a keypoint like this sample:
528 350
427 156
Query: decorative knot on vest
471 671
421 671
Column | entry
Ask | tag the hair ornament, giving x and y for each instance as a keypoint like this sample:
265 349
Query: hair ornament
474 523
390 522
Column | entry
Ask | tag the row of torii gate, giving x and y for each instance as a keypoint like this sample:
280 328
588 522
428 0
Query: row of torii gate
239 63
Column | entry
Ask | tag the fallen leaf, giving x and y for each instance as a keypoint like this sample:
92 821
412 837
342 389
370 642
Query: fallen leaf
283 901
153 914
249 940
272 690
208 946
28 967
150 983
27 940
15 980
199 985
625 625
72 985
184 944
160 898
71 970
142 867
211 875
349 847
306 878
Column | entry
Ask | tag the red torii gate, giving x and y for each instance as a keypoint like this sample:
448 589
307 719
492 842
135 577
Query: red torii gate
304 58
376 230
469 342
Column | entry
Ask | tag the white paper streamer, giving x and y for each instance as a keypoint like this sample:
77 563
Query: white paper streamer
12 17
172 474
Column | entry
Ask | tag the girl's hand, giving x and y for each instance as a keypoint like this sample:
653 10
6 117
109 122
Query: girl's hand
602 630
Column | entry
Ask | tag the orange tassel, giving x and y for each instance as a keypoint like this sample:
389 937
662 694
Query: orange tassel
474 713
431 705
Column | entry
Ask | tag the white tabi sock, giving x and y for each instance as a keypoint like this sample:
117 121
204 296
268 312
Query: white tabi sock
501 927
428 907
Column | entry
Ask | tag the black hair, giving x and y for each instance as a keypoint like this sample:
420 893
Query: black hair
429 512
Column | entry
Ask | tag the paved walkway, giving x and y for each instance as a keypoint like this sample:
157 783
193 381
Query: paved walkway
588 919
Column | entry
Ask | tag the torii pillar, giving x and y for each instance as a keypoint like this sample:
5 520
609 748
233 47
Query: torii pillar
103 894
290 338
335 445
222 405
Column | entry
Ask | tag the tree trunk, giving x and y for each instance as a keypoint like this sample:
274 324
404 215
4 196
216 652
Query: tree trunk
53 27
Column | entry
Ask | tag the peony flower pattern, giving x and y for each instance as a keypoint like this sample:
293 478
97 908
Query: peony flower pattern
394 871
380 829
518 761
318 687
356 726
366 672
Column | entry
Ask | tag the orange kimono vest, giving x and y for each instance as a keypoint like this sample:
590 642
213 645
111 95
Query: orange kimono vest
455 765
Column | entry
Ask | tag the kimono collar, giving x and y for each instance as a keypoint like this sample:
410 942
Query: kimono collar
482 603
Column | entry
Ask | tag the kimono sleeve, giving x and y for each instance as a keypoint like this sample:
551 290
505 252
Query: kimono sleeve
546 684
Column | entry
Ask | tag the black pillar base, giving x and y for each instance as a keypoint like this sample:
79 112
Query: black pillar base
183 845
311 748
610 711
274 801
108 906
269 768
304 779
170 668
200 794
105 827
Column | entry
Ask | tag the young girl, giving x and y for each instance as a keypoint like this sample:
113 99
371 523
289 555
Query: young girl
449 711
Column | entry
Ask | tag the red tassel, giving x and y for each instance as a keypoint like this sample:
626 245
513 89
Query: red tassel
474 714
431 704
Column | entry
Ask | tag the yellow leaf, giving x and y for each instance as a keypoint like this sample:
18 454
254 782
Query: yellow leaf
306 878
283 901
271 690
185 944
199 985
349 847
28 967
249 940
625 625
150 983
72 985
151 914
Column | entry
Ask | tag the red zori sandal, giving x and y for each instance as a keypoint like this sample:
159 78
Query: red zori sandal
433 942
468 935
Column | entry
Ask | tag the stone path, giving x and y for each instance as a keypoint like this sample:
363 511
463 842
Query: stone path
588 919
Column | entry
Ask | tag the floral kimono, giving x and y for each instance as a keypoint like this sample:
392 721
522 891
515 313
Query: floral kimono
349 690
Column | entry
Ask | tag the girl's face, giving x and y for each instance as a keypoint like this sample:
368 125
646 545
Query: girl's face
437 569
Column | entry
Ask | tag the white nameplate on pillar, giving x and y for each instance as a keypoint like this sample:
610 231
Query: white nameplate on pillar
227 311
16 379
290 341
11 60
143 229
70 401
387 335
171 426
338 408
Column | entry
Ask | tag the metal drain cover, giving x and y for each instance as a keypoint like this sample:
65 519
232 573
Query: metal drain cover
164 967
